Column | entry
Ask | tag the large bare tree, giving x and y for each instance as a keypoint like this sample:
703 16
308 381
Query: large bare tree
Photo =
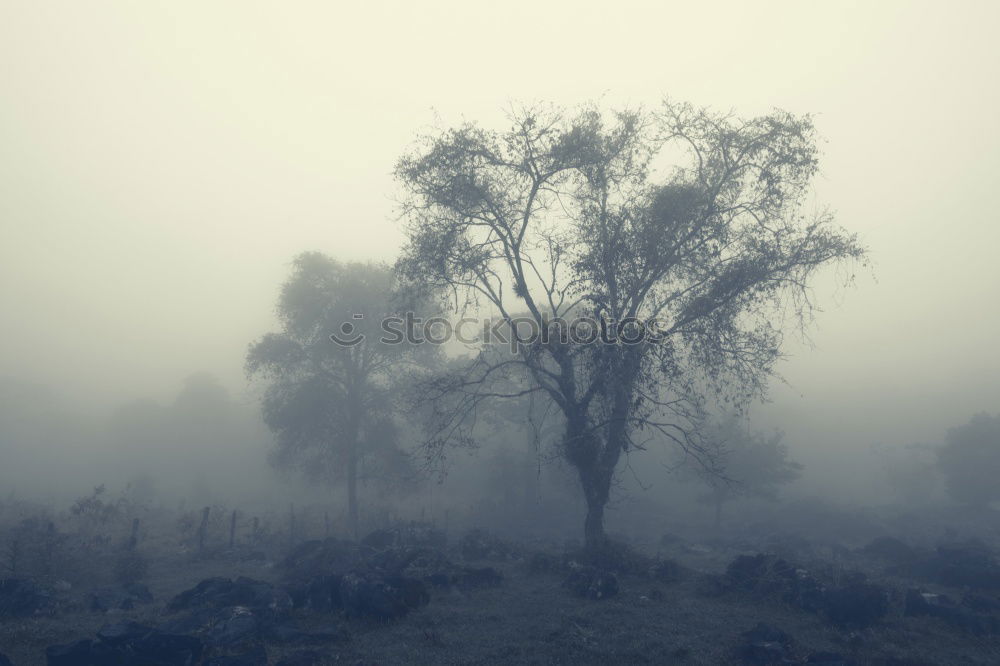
678 227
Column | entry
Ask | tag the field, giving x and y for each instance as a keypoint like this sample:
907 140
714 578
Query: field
412 594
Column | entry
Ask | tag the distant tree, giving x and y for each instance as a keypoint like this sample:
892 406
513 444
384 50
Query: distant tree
753 465
970 461
913 476
568 214
332 406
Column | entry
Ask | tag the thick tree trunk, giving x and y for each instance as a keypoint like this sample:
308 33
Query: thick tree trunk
595 465
593 526
596 482
352 491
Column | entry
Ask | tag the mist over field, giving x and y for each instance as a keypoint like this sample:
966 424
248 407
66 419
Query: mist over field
195 196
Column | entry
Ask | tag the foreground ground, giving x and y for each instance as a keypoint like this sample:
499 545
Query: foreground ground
690 617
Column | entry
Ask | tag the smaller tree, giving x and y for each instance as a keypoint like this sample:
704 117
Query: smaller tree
970 461
753 465
331 404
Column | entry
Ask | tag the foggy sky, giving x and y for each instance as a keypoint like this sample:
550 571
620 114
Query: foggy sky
161 163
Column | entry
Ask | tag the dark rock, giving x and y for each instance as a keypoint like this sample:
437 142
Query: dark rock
196 621
857 604
120 633
20 597
4 660
223 592
322 558
233 626
761 573
382 598
920 603
411 561
321 594
71 654
805 592
765 645
592 583
128 644
159 649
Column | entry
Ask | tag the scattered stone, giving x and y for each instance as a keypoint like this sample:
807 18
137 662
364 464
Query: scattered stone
318 558
805 591
760 573
120 633
20 597
128 643
223 592
321 594
920 603
381 598
71 654
411 561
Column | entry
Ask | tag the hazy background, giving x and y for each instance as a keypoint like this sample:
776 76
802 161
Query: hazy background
161 163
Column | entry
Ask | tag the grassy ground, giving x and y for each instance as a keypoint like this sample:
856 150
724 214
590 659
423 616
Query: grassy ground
532 619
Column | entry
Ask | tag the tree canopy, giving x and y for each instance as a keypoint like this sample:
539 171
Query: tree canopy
681 223
332 406
970 461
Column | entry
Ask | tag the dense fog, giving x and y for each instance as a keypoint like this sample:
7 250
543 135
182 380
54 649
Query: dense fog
178 180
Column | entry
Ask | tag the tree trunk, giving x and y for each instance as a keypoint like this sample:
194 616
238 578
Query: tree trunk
596 482
593 526
595 467
352 491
